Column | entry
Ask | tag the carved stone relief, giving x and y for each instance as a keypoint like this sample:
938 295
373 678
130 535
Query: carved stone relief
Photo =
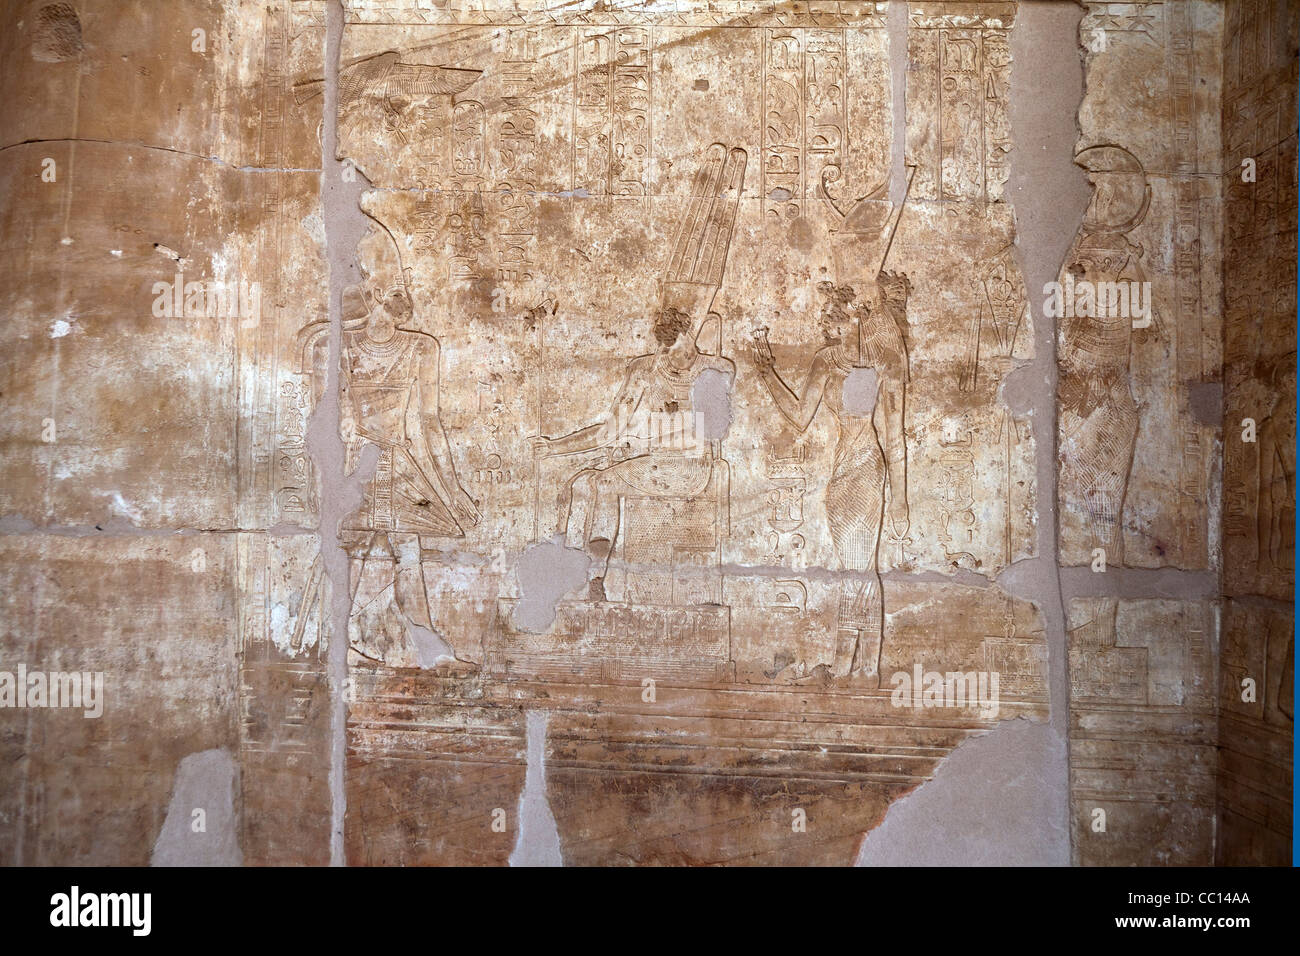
642 436
1143 732
1257 663
1259 182
155 279
600 222
1138 326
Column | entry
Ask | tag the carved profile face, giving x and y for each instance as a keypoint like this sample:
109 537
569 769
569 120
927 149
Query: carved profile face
836 317
382 271
397 306
670 326
1097 268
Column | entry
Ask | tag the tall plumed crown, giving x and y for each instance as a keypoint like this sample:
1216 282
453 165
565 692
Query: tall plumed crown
699 252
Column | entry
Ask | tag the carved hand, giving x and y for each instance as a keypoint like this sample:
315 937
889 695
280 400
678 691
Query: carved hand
541 446
463 506
899 520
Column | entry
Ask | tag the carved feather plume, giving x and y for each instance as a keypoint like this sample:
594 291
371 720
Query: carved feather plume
704 236
699 252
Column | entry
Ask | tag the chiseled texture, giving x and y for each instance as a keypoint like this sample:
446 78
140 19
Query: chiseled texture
1260 88
626 432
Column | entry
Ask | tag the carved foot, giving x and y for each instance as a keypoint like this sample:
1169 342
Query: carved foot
819 675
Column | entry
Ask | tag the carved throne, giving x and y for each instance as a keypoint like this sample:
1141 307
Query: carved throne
671 546
665 617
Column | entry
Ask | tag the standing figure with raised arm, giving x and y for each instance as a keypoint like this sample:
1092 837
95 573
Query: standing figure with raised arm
860 375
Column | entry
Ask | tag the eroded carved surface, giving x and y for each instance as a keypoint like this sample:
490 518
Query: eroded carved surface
90 778
1143 732
163 244
1256 725
1257 668
669 378
1259 177
578 226
1137 466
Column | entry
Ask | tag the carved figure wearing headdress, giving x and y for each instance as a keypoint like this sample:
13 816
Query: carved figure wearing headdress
650 432
860 375
388 397
1099 416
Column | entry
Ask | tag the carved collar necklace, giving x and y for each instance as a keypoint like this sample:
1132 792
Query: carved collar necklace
369 345
677 376
840 358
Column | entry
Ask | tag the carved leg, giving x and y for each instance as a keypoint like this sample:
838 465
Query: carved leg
411 595
846 647
1104 617
861 625
377 627
575 513
599 549
865 615
591 520
412 598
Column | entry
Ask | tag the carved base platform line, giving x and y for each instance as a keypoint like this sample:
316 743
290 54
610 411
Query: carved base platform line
612 641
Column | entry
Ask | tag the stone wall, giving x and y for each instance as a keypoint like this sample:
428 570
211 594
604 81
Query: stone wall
647 431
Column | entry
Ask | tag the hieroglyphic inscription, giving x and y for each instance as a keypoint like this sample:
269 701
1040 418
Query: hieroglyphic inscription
1260 190
611 104
805 117
962 136
681 189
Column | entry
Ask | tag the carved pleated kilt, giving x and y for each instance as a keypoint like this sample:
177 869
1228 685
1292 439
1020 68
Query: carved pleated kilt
1096 455
855 502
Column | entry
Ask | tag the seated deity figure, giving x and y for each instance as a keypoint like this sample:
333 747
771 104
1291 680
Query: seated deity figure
653 436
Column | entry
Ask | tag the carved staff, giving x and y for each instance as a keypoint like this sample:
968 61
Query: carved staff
884 256
537 313
895 216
